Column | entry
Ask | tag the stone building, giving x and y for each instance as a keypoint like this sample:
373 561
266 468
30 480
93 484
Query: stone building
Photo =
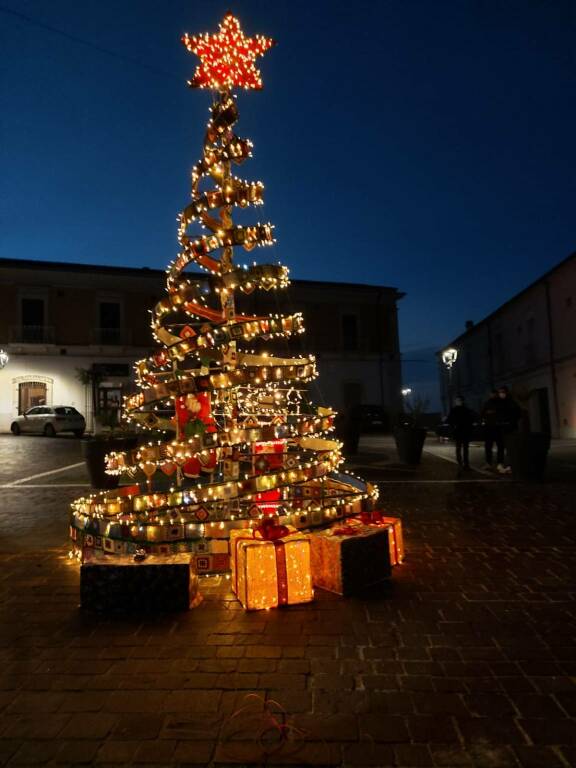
67 327
529 344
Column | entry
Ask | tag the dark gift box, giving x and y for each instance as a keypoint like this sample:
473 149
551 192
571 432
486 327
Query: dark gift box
120 584
346 559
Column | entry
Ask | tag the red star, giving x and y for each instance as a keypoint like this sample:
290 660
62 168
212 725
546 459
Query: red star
227 58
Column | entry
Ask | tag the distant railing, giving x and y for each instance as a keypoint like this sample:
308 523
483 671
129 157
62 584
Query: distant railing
32 334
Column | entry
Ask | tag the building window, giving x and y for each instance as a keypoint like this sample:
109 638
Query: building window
109 322
30 394
349 333
32 315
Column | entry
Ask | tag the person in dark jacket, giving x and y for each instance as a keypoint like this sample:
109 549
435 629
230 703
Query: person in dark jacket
492 432
508 414
461 419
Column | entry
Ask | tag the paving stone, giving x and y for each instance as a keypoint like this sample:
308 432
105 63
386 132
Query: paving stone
155 752
338 727
7 748
192 701
121 752
277 680
183 726
368 753
36 752
89 725
493 756
32 726
489 730
438 703
451 756
36 703
78 752
550 731
136 701
425 729
412 756
539 757
194 752
138 726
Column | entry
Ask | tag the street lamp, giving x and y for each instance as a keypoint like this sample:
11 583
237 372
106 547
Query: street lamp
4 359
407 391
449 357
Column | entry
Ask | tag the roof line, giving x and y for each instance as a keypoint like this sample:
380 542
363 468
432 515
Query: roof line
106 268
520 293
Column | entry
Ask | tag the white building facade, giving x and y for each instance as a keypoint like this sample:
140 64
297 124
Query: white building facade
528 344
72 333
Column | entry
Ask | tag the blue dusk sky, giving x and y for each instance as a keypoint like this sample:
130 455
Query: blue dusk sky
428 145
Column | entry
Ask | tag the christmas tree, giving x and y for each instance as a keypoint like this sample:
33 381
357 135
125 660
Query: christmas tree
236 438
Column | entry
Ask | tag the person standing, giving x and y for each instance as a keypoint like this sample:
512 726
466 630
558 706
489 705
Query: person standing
492 432
461 419
508 414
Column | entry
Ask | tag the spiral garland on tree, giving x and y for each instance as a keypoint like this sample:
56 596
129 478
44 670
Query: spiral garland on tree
236 439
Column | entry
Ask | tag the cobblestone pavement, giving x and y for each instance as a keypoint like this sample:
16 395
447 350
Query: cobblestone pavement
466 658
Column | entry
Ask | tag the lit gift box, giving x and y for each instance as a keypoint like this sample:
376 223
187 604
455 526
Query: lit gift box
395 525
348 558
270 566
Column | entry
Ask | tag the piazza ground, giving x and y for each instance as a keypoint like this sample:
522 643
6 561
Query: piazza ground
466 658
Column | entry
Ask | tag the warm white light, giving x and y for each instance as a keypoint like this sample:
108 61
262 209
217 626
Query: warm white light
449 357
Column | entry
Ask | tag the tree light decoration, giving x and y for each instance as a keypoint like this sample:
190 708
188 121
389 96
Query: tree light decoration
227 57
234 438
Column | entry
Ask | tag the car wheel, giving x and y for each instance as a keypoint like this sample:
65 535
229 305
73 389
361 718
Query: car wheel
78 432
49 431
15 429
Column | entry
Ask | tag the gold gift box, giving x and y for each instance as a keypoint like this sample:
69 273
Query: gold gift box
268 573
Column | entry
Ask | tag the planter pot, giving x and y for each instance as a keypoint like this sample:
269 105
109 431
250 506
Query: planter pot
94 452
348 430
409 444
527 454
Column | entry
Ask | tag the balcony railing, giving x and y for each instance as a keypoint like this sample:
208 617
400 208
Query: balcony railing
32 334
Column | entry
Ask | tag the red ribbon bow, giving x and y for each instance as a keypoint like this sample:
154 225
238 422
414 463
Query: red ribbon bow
270 530
371 518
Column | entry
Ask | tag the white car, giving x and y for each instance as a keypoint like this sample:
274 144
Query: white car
49 420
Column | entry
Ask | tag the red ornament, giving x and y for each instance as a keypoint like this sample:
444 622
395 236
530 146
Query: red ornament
227 58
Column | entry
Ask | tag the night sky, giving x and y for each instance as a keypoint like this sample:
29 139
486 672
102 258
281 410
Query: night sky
424 145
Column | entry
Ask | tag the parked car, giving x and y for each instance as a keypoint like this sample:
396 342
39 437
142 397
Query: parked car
372 418
49 420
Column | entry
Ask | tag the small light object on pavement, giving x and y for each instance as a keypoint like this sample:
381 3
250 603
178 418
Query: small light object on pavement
4 358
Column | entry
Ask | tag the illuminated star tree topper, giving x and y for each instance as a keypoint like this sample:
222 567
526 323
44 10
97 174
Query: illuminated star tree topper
227 58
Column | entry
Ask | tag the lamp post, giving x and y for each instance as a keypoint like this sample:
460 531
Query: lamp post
449 357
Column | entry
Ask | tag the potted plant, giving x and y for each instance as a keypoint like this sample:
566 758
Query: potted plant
109 436
409 434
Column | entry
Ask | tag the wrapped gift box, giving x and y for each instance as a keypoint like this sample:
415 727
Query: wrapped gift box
378 519
268 572
348 558
119 584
